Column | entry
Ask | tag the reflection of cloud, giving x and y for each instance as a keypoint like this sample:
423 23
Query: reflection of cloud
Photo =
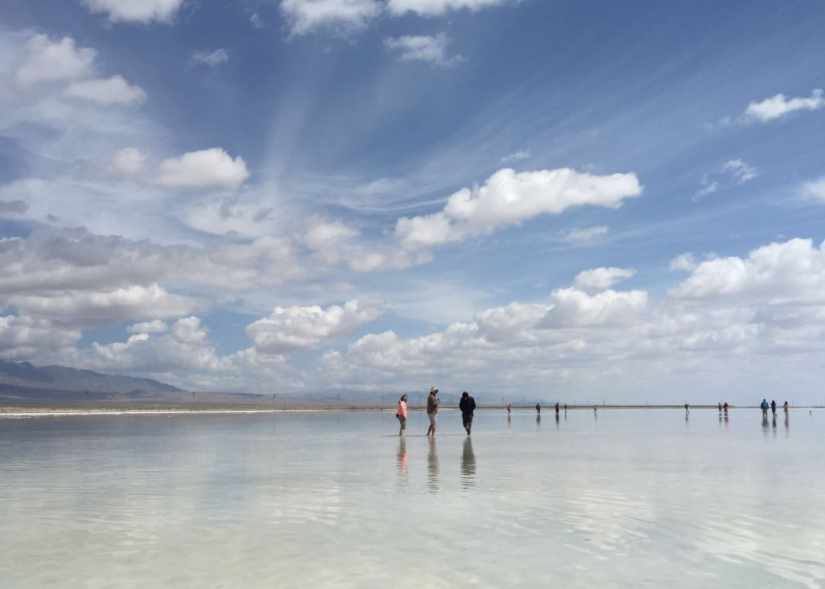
609 517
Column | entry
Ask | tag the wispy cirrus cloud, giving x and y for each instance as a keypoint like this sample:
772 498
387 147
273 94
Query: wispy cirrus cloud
780 106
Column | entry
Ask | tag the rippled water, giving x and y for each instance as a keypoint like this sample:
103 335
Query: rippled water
617 499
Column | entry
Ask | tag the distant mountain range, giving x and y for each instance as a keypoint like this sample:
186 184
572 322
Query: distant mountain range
60 378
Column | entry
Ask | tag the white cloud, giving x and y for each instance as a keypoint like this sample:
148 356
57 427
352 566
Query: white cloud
13 207
92 308
815 189
740 170
27 338
342 16
114 90
136 11
516 157
185 347
203 169
737 170
154 326
290 329
51 61
779 106
586 233
438 7
685 262
423 48
575 308
601 278
779 273
127 162
211 58
509 198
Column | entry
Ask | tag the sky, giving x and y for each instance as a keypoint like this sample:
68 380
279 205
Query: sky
554 199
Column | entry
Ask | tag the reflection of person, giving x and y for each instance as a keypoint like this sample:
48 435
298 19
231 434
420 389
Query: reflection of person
468 463
432 410
432 467
764 406
467 405
402 460
401 414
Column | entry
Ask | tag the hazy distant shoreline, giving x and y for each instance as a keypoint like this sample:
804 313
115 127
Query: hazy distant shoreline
19 412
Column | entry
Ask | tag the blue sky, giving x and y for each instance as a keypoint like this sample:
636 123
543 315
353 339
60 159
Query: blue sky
539 196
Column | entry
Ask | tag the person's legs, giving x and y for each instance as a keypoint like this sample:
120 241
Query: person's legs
403 423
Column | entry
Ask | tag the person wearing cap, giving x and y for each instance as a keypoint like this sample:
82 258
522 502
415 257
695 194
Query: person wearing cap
467 405
432 411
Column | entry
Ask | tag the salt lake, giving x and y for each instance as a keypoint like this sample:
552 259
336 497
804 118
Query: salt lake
620 498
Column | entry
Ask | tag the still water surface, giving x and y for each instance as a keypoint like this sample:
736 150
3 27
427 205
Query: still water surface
617 499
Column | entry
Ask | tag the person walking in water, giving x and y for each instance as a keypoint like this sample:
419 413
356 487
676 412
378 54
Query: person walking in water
538 408
467 405
401 414
509 407
725 406
432 411
764 406
557 409
773 407
720 407
785 407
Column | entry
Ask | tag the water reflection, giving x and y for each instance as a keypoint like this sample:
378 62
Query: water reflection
538 421
468 464
432 467
402 461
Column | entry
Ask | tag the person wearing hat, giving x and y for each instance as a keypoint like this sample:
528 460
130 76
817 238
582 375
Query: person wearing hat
432 411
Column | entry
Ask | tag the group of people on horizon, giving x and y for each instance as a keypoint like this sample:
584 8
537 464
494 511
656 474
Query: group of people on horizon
764 406
467 405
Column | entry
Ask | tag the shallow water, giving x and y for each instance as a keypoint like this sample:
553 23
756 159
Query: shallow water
617 499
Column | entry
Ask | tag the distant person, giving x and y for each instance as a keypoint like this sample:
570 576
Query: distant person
557 408
773 407
725 406
509 407
467 405
720 407
594 409
764 406
565 407
785 407
401 414
687 409
538 408
432 411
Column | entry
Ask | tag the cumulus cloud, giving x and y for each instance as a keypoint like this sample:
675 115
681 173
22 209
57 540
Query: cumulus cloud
109 91
814 189
208 168
586 233
185 347
430 49
792 271
51 61
136 11
127 162
780 106
95 308
685 262
341 16
28 338
290 329
438 7
154 326
601 278
211 58
509 198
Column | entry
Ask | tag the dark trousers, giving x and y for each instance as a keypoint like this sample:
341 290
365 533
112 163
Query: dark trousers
467 420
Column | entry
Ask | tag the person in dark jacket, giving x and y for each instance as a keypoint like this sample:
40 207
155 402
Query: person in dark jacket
467 405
